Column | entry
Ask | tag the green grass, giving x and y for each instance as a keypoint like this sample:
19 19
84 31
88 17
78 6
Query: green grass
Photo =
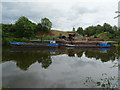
104 35
39 41
6 41
117 45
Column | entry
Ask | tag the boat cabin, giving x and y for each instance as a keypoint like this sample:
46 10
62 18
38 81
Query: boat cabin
52 41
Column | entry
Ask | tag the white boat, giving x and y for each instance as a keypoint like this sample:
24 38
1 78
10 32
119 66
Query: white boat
70 45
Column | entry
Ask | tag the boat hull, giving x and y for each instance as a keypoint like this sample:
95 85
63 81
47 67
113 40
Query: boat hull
88 46
45 45
33 46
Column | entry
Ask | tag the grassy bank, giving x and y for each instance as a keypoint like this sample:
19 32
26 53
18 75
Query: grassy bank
117 45
39 41
6 41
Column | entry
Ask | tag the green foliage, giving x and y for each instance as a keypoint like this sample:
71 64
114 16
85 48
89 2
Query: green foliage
106 31
39 28
80 31
12 39
89 31
115 28
20 31
98 83
92 30
99 29
107 28
39 41
45 26
47 23
115 35
7 30
24 28
117 45
104 35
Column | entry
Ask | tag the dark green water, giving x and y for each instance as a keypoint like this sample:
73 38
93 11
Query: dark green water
59 68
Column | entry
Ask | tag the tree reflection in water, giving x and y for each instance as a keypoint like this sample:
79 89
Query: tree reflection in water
71 52
25 58
102 54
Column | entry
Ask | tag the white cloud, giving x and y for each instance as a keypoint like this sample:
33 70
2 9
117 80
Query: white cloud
64 14
59 0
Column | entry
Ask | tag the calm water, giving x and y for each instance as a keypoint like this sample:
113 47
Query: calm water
63 68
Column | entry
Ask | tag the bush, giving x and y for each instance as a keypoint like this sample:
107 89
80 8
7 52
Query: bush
39 41
104 35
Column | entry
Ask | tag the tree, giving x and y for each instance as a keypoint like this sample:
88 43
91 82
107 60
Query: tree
6 30
39 28
117 36
107 28
99 29
115 28
46 24
24 28
80 31
89 31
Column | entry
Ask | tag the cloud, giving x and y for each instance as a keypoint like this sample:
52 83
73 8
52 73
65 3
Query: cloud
64 15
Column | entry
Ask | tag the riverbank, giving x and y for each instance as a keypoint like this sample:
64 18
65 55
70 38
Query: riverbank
117 45
63 44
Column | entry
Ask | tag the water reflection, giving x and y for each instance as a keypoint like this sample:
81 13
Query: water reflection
57 68
24 58
104 57
109 82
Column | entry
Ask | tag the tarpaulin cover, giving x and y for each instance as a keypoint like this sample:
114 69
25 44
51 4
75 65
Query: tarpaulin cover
52 44
16 43
105 45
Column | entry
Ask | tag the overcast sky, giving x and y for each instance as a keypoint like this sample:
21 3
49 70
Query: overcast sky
64 14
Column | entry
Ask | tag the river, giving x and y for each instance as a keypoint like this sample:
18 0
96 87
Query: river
60 68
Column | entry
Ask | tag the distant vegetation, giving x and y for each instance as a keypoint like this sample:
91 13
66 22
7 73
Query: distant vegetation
44 56
106 32
24 30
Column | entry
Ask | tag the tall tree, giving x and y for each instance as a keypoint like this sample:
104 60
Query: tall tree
80 30
107 28
115 28
91 30
46 24
24 27
99 29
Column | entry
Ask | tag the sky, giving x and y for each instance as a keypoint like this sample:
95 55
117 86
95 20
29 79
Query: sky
64 14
